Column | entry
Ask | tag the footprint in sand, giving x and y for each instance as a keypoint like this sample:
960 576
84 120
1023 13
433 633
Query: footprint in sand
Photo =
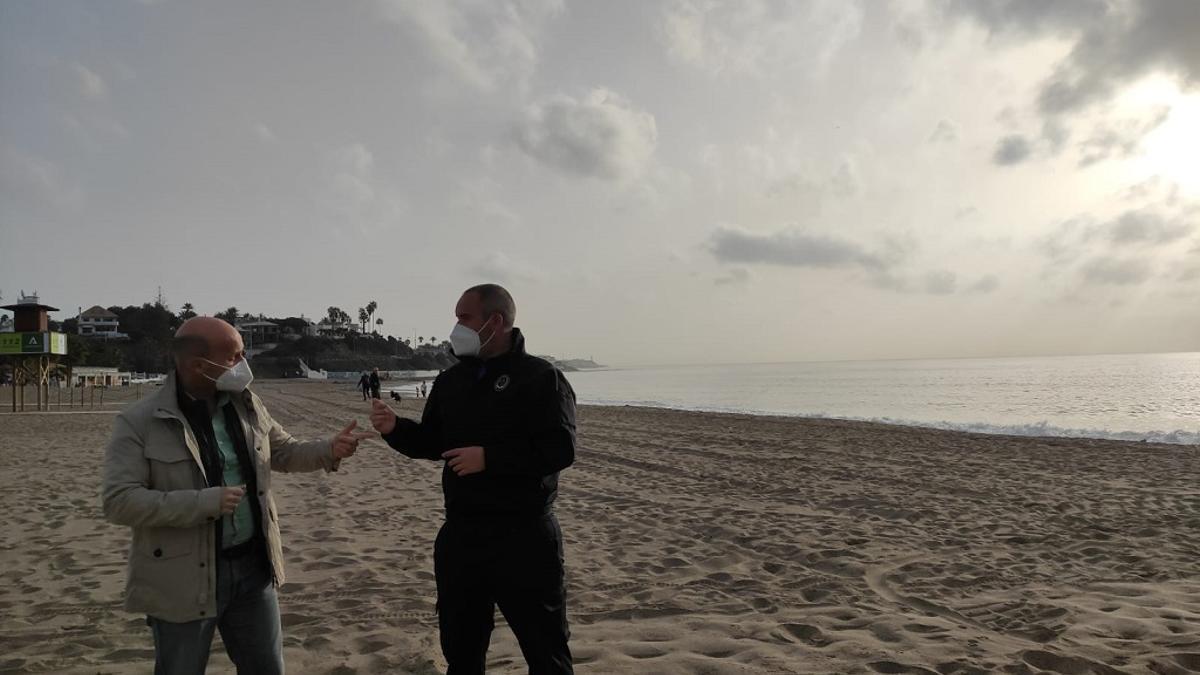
893 667
1067 665
806 633
643 651
1189 662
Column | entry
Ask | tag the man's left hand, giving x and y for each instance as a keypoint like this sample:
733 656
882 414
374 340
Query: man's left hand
346 442
465 461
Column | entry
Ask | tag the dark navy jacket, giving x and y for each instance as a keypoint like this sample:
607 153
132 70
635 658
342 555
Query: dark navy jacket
521 409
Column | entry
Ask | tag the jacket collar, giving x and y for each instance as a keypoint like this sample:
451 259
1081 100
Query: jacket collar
166 399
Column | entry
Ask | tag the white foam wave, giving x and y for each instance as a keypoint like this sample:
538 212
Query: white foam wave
1035 429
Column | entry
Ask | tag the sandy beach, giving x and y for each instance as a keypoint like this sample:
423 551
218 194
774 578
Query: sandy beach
695 543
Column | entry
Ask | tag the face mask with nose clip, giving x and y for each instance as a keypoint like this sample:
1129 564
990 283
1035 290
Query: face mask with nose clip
235 378
466 341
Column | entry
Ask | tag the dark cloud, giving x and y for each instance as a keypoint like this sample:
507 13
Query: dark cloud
1055 134
986 284
1120 139
1064 243
1146 226
1127 249
1150 35
736 277
1007 18
944 132
937 282
1117 271
795 248
1012 150
1115 42
1190 273
1152 188
940 282
792 248
1138 245
600 135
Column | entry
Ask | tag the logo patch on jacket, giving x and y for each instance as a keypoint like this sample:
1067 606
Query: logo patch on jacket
501 383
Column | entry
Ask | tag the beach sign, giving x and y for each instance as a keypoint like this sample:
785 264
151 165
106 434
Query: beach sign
33 343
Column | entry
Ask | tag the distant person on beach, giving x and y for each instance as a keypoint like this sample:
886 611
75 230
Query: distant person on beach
424 391
375 383
176 470
364 383
504 423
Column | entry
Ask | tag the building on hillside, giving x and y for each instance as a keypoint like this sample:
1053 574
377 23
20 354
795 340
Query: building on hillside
101 323
327 329
294 328
256 334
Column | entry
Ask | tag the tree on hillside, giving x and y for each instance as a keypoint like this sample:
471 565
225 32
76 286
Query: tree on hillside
150 321
363 317
230 315
379 322
78 352
371 307
338 318
187 312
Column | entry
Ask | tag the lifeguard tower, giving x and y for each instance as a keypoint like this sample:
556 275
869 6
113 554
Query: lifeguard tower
32 348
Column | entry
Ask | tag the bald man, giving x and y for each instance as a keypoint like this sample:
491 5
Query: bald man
189 469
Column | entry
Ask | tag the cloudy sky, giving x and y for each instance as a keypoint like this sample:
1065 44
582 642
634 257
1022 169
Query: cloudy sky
657 182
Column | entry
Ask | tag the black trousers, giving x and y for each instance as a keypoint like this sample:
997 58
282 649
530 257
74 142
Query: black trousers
515 565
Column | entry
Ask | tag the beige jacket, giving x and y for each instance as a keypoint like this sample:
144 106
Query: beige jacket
154 482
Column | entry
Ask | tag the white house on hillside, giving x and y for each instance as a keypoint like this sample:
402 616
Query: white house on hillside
99 322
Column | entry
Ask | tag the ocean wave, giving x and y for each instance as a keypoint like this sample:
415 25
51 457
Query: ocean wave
1034 429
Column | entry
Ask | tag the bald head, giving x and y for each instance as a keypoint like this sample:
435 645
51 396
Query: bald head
204 336
200 343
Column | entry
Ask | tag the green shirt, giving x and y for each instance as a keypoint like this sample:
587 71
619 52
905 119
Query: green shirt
238 527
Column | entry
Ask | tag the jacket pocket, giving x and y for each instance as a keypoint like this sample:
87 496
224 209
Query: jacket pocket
166 543
172 466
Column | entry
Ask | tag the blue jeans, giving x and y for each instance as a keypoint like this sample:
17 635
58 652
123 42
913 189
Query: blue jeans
247 616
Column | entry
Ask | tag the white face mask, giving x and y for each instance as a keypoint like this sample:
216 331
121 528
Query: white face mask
235 378
466 341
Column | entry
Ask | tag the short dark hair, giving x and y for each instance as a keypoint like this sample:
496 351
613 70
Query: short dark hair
496 300
188 346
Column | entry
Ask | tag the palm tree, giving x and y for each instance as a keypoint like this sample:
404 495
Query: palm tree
371 307
187 311
362 320
379 322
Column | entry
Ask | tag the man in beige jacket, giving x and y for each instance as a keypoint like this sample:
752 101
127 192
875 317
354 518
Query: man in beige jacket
189 469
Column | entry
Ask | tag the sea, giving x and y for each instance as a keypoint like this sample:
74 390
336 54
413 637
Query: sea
1138 397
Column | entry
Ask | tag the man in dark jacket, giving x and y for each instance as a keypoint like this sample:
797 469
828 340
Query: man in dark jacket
504 422
374 381
364 383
